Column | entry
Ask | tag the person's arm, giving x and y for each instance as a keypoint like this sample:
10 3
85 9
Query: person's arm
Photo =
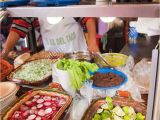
12 38
18 29
91 28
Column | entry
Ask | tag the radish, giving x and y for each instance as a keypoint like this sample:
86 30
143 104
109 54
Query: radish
24 108
38 118
39 105
30 103
36 112
16 115
34 100
31 117
47 98
36 96
54 108
48 111
62 102
54 98
41 113
26 113
57 105
40 100
47 103
31 111
34 108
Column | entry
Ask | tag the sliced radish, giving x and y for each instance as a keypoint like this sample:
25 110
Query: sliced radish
41 113
34 108
54 102
24 108
39 106
36 112
40 100
16 115
25 114
47 98
38 118
31 117
34 100
56 105
54 99
36 96
54 108
47 103
57 98
30 103
62 101
48 111
31 111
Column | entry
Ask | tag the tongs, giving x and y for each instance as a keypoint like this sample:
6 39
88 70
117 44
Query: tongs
101 57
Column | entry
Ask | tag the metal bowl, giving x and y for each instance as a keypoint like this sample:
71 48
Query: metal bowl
79 55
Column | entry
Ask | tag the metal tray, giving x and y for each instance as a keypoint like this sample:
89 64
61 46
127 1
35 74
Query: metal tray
79 55
15 106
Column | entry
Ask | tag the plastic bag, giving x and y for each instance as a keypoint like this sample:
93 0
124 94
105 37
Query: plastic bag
131 87
128 66
77 109
87 91
62 77
141 75
91 93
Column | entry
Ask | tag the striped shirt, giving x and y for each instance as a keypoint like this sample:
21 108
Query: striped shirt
23 25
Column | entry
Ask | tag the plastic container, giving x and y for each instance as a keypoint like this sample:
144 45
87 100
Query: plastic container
9 3
6 68
133 34
44 3
107 70
7 94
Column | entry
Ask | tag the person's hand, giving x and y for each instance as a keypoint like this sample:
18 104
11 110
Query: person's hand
93 49
3 55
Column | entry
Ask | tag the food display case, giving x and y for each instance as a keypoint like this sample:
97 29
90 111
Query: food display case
91 10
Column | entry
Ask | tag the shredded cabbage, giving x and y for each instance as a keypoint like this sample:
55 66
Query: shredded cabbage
34 71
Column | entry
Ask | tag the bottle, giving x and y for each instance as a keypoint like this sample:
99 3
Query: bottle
133 34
